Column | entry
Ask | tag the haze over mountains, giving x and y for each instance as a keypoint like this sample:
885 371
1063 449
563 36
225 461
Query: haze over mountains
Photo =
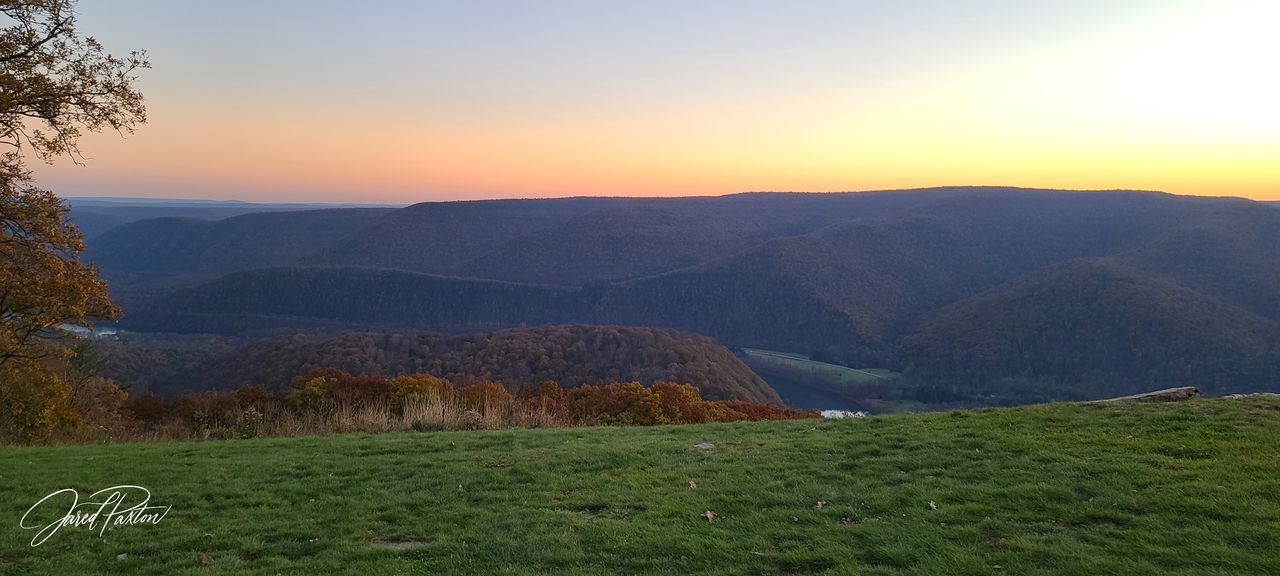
986 291
97 215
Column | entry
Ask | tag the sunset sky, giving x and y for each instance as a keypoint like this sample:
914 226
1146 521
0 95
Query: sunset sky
399 102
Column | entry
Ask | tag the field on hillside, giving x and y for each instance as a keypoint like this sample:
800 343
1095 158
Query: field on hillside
823 369
808 383
1186 488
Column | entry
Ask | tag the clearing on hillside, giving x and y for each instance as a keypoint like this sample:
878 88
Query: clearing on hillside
822 369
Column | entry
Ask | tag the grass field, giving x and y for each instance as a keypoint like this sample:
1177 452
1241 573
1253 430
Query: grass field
834 371
1186 488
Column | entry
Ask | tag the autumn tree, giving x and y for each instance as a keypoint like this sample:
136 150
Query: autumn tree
55 85
419 388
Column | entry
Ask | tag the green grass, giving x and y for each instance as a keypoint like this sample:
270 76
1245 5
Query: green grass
1187 488
842 374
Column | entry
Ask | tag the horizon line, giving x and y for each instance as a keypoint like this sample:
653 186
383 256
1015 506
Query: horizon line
236 201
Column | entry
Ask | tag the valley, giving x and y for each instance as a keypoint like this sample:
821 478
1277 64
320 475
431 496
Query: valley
937 285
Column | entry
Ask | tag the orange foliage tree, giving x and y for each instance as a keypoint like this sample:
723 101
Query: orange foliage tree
485 397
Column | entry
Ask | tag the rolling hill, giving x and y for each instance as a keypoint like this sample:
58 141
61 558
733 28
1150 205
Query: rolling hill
436 237
570 355
95 216
568 241
356 297
187 249
1092 328
865 279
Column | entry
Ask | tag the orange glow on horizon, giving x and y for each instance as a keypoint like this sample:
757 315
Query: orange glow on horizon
1133 108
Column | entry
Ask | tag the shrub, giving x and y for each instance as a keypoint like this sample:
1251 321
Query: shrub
350 390
35 402
737 410
545 396
419 388
100 405
210 413
485 397
681 403
329 388
250 423
148 408
311 393
253 395
38 404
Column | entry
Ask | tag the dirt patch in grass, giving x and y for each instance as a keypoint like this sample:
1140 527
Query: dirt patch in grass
397 544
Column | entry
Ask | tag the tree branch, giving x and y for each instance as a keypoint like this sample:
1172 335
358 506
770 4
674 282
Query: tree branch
29 50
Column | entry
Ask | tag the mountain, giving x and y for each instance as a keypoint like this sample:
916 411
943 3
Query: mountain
95 216
186 249
1228 252
438 236
1090 328
864 283
93 224
566 241
570 355
299 297
644 237
864 279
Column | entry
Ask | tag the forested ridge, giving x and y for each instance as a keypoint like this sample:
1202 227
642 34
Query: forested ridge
570 355
904 280
1091 329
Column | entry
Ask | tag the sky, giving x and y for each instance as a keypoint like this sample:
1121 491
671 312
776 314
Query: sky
399 102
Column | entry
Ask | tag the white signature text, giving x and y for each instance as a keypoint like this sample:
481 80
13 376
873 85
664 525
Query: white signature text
123 505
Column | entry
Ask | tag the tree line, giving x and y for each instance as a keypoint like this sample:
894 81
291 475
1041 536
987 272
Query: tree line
330 400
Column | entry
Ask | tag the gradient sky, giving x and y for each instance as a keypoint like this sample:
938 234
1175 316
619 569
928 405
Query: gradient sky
432 100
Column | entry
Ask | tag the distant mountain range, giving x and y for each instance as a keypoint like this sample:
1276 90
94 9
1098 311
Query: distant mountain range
971 292
97 215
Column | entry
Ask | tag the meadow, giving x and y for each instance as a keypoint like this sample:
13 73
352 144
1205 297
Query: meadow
1119 488
805 382
821 369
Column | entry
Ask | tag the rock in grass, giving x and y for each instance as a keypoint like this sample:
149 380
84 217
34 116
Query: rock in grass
1167 395
396 544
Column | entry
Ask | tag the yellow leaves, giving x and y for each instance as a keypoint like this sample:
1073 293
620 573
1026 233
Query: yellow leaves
58 85
421 388
34 401
42 281
311 393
